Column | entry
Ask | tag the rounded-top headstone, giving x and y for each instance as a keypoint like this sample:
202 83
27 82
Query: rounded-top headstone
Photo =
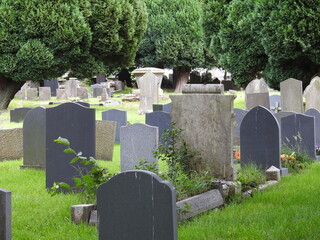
257 86
312 94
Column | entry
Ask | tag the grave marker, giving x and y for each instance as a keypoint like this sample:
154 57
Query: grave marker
53 84
100 78
291 95
162 120
162 107
316 114
257 94
71 87
32 93
44 93
61 94
118 116
82 93
137 205
5 214
275 103
148 85
105 136
312 94
137 141
18 114
238 117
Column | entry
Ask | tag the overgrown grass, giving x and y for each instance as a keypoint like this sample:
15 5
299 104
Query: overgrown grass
289 210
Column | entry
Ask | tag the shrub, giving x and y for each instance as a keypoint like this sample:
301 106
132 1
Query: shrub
250 176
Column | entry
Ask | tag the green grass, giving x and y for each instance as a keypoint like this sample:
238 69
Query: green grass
289 210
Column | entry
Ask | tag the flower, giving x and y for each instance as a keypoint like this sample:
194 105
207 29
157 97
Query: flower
237 155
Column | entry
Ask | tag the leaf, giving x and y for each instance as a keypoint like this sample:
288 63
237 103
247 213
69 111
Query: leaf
63 141
73 160
69 150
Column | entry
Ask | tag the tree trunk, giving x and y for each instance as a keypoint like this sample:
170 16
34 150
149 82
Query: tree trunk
8 88
181 76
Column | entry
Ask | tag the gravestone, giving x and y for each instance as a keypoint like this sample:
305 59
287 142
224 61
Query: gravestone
21 94
260 139
312 94
18 114
32 93
137 141
44 93
149 87
11 142
275 103
162 120
77 124
82 93
118 116
207 123
105 136
96 90
34 139
280 115
71 87
162 107
291 95
316 114
119 85
53 84
256 94
100 78
298 133
137 205
104 95
61 94
5 214
238 117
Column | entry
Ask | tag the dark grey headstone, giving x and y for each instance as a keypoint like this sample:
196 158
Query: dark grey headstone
100 78
137 205
316 114
53 84
238 117
137 141
116 115
257 99
34 139
162 120
260 139
162 107
5 214
298 133
280 115
18 114
77 124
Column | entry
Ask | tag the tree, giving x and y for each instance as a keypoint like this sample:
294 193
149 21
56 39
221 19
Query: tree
275 39
44 39
174 38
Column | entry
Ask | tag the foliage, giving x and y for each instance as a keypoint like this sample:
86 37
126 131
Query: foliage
87 183
277 39
174 35
251 176
295 161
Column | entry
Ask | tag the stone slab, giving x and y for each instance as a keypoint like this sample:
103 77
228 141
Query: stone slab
291 95
118 116
203 88
149 92
32 93
81 213
312 94
137 141
53 84
162 120
5 214
162 107
82 93
316 114
257 99
44 93
137 205
11 142
105 136
61 94
18 114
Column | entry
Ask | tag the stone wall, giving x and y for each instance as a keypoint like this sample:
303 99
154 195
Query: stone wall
11 142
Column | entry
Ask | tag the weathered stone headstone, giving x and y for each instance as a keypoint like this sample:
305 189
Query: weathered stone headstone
71 87
162 107
96 91
137 141
5 214
32 93
104 95
34 139
61 94
53 84
312 94
275 103
100 78
44 93
21 94
118 116
139 72
257 94
18 114
298 133
119 85
238 117
137 205
11 142
105 136
316 114
260 139
291 95
149 87
82 93
77 124
207 123
162 120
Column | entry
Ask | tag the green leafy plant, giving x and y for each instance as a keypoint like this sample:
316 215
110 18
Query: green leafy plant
251 176
87 183
145 165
